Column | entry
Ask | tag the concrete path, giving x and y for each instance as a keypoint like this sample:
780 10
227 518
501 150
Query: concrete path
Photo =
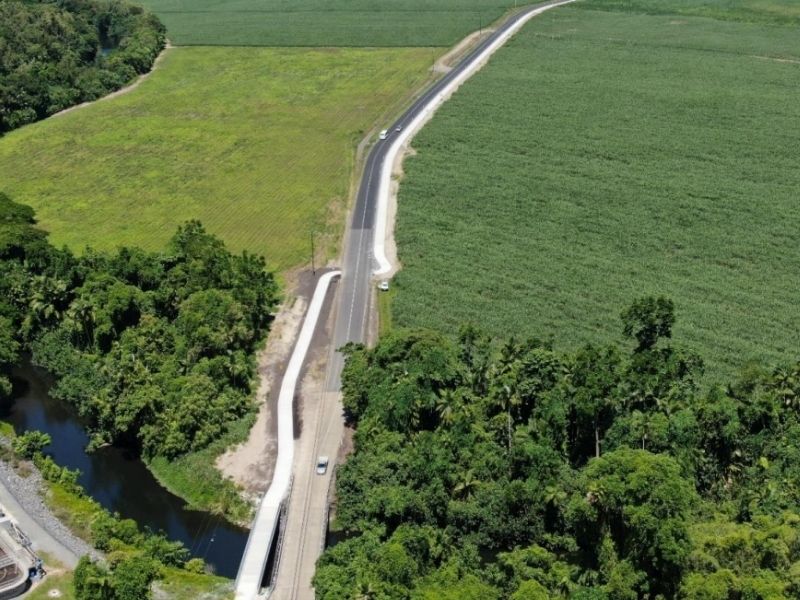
412 121
251 569
41 540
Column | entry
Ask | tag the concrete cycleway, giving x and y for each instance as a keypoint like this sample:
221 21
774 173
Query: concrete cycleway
251 569
364 257
412 125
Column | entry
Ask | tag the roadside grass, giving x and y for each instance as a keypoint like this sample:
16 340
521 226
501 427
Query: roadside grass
195 478
257 143
395 23
385 322
603 156
182 585
61 581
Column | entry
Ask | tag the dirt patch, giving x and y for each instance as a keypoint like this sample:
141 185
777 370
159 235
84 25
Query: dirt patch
252 463
446 62
128 88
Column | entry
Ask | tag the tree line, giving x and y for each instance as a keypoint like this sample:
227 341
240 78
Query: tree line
58 53
486 469
155 350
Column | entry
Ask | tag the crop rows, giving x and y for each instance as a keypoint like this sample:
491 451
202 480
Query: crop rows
602 156
393 23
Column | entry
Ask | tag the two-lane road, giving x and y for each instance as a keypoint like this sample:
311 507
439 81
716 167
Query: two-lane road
363 254
359 258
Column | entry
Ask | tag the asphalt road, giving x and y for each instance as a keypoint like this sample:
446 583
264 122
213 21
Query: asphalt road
357 285
305 527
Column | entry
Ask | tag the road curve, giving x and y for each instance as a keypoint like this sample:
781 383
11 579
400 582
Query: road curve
364 243
413 120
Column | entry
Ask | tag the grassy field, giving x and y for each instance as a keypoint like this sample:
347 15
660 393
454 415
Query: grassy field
325 22
257 143
602 156
780 12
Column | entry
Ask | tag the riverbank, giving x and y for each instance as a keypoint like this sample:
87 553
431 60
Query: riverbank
119 482
194 477
22 490
57 508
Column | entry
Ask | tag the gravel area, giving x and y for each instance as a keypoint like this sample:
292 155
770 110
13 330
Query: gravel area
28 492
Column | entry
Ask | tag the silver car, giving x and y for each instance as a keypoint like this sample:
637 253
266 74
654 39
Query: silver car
322 465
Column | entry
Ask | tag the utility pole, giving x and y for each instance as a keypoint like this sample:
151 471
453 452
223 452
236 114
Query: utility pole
313 268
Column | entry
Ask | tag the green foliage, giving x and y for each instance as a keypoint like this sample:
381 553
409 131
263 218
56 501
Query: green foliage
595 183
153 350
135 558
399 23
30 443
55 55
132 577
488 469
182 144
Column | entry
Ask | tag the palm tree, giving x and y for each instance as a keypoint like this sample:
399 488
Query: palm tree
785 383
466 485
445 404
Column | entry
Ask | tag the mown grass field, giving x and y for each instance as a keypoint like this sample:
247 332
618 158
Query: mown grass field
257 143
397 23
603 156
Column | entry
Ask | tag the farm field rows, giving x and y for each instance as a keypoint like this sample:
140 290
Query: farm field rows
602 156
401 23
257 143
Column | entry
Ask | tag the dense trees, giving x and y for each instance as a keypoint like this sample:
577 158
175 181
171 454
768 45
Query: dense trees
57 53
509 470
154 350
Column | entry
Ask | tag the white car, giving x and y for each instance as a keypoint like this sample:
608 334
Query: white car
399 128
322 465
383 286
384 133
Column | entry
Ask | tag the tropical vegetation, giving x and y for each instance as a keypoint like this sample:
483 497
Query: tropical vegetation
133 559
56 54
489 468
154 350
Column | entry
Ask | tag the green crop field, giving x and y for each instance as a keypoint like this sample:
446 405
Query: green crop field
606 155
257 143
325 22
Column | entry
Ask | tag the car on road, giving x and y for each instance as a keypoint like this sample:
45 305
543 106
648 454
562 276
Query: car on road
383 134
322 465
399 128
383 286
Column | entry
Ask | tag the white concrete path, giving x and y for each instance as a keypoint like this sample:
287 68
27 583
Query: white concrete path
408 132
251 569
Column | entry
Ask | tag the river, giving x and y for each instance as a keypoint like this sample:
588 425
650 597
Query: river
117 479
